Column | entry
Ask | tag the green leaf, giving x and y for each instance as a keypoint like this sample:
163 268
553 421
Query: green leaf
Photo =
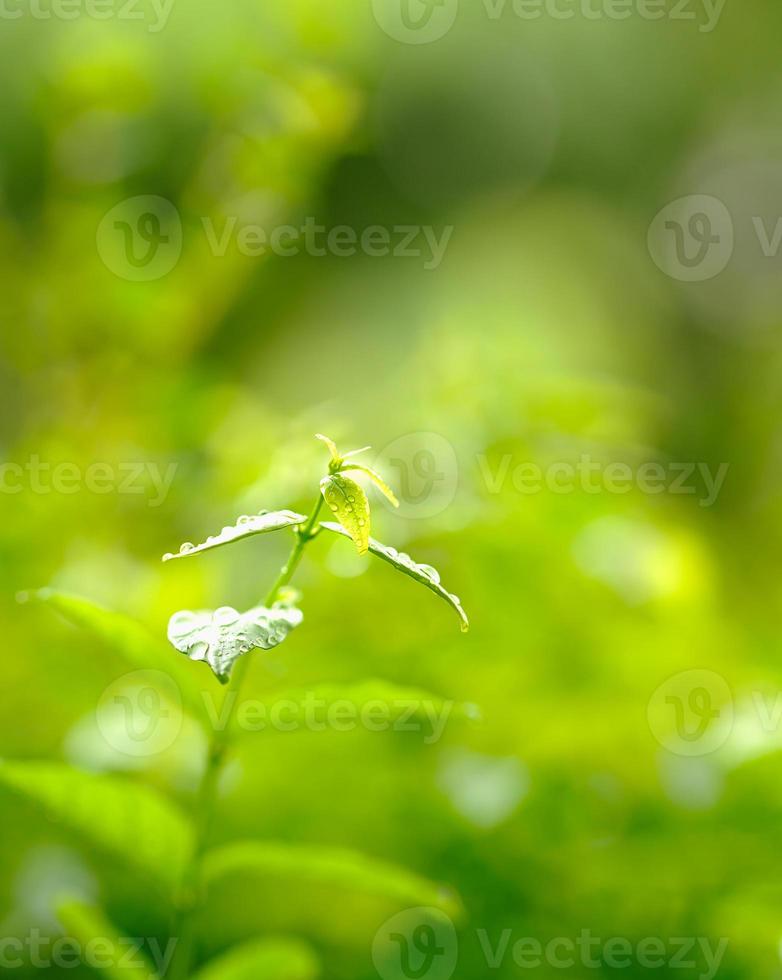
222 636
126 636
245 527
330 445
339 868
345 498
114 958
125 819
376 478
398 702
263 959
424 574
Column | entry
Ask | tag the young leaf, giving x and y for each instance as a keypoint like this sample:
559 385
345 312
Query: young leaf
355 452
263 959
424 574
245 527
396 701
376 479
347 500
337 867
116 959
222 636
126 820
126 636
330 445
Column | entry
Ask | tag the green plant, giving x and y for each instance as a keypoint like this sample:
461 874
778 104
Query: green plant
162 843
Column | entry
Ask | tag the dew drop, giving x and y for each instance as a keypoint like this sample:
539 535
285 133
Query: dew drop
198 651
244 519
225 616
167 556
187 547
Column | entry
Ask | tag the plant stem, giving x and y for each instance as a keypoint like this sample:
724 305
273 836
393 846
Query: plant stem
190 894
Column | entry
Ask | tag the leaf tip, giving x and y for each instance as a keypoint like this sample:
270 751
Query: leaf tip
330 444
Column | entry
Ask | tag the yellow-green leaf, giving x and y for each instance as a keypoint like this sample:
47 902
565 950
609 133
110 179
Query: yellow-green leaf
342 869
376 478
424 574
116 957
122 818
127 637
330 445
263 959
244 527
348 502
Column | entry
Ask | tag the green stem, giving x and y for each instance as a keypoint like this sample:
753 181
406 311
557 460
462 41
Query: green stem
190 894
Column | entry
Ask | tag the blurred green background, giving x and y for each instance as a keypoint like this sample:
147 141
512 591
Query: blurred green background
547 333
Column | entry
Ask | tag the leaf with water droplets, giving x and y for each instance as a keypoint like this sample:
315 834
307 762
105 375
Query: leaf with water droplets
347 501
376 478
424 574
245 527
222 636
